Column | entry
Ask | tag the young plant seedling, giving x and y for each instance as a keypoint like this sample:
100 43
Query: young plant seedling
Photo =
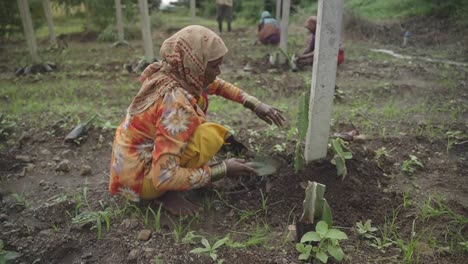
190 238
411 165
320 243
6 256
454 137
366 230
341 154
315 208
208 249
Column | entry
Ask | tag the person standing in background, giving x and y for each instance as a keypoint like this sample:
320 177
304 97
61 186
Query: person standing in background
224 11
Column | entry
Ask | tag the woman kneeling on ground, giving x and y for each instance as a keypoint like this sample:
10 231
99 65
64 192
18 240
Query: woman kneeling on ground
164 144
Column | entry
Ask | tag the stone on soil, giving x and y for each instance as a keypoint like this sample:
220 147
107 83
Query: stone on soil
133 255
29 167
144 235
64 166
23 158
45 152
129 223
85 170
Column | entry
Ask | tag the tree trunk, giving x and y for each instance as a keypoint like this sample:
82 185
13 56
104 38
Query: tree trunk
28 29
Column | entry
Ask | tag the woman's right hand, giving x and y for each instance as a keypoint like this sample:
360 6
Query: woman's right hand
237 167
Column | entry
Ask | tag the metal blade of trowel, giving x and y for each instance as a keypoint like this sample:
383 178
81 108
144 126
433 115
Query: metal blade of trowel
79 131
265 165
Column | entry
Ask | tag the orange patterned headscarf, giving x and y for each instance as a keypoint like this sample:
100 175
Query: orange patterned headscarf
311 23
184 58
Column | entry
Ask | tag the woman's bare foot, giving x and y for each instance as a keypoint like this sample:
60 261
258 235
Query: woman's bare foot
178 205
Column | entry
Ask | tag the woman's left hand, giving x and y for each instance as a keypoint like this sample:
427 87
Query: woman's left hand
270 114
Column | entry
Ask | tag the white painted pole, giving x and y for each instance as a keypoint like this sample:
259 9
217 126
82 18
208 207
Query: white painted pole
118 14
327 41
50 21
146 30
278 9
192 10
284 30
28 29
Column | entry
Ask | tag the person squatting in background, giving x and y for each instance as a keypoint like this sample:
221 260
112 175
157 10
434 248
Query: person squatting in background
268 29
307 56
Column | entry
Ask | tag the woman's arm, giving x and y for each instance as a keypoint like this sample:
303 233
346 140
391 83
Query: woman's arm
229 91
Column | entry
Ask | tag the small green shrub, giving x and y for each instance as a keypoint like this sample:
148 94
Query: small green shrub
341 154
411 165
366 230
321 243
210 249
6 255
6 126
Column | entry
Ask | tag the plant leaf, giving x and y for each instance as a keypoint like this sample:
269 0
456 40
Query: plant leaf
336 252
347 155
321 228
304 256
199 250
220 242
327 214
206 243
336 234
213 256
322 256
310 236
9 255
337 146
300 247
340 165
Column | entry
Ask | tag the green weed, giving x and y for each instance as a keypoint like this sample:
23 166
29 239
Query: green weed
409 247
341 154
20 199
156 217
209 249
180 228
6 126
96 217
6 255
366 230
410 166
454 137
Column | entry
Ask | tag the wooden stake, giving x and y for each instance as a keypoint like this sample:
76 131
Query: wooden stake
146 30
327 42
50 22
120 27
278 9
284 30
28 29
192 10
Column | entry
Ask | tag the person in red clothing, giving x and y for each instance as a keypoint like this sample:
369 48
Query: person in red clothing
164 144
268 29
307 56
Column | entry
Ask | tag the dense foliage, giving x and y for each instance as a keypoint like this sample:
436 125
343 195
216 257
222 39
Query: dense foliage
100 13
10 21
